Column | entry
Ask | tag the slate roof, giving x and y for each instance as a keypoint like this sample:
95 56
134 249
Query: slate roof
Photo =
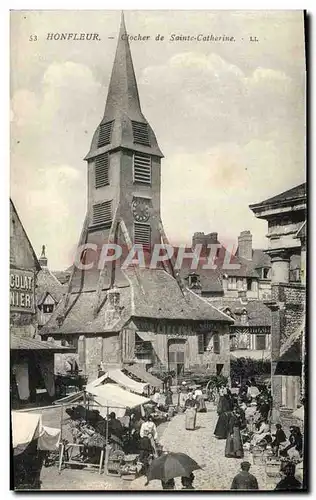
46 282
296 192
62 276
258 313
211 279
15 254
154 294
123 106
28 344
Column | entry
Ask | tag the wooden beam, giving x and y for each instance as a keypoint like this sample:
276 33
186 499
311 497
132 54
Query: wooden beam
175 273
82 240
112 239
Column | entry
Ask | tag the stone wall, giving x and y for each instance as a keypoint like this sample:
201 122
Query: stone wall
291 300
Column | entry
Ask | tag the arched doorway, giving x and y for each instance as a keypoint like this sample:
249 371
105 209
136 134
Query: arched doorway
176 350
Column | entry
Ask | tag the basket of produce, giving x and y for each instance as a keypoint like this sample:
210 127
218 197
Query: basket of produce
273 466
115 461
258 456
129 472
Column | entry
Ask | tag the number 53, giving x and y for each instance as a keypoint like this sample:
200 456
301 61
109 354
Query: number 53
33 38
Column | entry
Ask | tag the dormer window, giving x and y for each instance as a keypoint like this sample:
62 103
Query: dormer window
244 317
265 273
193 280
48 308
140 133
105 134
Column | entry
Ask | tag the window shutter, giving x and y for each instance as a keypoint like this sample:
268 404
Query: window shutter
216 343
142 234
102 171
140 133
102 213
142 168
105 134
200 343
260 342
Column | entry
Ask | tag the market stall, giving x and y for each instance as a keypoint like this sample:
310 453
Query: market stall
93 439
140 373
122 380
30 443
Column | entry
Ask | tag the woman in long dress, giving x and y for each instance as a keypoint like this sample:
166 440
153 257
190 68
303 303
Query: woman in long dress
224 409
234 447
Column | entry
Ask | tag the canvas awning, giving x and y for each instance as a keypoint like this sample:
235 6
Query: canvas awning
126 382
115 398
146 336
25 428
121 379
142 374
49 438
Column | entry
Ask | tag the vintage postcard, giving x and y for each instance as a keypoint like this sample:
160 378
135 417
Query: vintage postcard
158 250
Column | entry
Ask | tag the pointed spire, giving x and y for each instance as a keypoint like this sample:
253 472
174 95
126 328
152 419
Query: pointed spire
43 259
123 92
123 106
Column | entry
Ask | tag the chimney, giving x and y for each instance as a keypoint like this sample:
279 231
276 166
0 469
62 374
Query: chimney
43 259
213 237
245 245
204 239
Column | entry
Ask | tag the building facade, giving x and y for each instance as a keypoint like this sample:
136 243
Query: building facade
116 315
286 217
31 360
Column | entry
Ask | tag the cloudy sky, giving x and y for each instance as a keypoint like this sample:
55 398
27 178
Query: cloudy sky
229 117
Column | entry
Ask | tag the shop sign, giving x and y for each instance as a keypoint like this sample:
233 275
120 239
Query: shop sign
22 291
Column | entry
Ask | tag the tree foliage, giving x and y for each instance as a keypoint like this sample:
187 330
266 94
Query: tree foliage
243 369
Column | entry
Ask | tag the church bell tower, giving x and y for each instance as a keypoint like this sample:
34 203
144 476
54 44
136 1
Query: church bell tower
123 162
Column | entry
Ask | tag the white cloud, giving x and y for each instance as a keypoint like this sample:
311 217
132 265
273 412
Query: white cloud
229 118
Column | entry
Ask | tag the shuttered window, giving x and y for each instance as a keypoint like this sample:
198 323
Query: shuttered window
140 133
216 343
102 170
142 168
260 342
102 213
200 343
105 134
142 234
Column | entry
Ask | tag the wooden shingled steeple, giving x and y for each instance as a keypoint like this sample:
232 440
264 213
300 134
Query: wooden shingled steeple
123 141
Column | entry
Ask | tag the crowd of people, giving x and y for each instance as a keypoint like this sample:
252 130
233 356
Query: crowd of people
244 421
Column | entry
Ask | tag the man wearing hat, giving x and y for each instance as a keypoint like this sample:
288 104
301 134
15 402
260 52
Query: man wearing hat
244 480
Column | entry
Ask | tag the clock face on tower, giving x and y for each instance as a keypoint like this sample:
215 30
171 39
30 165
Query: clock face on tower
140 209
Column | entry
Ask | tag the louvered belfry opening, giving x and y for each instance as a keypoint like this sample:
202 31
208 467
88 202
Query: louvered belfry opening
140 133
142 168
102 170
142 235
105 134
102 213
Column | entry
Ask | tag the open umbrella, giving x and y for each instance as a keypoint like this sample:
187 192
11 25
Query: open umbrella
171 465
